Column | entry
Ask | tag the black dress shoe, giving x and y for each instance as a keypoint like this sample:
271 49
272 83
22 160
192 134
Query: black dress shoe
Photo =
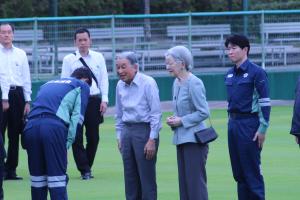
12 177
87 176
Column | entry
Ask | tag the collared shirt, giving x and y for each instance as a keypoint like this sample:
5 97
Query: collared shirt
138 102
14 71
65 98
96 62
248 92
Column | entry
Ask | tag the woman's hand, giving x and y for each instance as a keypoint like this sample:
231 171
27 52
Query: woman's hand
174 121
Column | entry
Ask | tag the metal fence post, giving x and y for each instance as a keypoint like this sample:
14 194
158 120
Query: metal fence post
55 45
245 17
263 59
113 45
190 31
35 51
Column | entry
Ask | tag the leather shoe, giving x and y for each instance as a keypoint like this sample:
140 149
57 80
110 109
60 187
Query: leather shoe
87 176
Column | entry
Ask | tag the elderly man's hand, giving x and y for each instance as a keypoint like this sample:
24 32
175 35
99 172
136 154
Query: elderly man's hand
150 149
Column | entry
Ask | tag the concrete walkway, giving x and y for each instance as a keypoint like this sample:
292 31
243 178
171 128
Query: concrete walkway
167 105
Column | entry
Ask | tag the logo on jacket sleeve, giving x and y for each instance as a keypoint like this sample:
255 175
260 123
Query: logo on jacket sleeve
229 75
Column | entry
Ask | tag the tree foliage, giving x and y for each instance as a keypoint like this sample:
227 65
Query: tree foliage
89 7
40 8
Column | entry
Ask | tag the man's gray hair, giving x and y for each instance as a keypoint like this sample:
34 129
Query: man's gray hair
183 54
131 56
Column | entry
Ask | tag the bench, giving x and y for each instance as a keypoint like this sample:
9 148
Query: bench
135 33
215 32
282 32
28 35
273 54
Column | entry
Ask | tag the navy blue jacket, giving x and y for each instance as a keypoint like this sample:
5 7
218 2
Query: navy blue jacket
248 92
66 99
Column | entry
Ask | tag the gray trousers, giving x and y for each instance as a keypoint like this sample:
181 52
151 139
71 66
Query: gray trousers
191 160
139 173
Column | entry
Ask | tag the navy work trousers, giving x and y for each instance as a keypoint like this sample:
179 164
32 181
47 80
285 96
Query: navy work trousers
45 142
245 158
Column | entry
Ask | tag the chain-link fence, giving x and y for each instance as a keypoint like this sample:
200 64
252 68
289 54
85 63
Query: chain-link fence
274 36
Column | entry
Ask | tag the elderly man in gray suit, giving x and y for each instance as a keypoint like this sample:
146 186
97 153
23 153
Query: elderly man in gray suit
138 122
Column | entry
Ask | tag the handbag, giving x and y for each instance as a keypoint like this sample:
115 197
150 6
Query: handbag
207 135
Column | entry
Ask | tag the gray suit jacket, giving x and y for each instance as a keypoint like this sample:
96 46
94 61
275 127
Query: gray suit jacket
189 103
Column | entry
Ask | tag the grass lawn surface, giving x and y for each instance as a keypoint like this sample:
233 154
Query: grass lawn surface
280 165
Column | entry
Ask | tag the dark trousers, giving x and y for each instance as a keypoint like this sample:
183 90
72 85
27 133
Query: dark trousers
84 156
191 160
2 156
13 120
139 173
45 142
245 158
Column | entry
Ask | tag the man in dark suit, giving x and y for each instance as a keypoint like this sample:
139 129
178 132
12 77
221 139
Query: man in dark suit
295 128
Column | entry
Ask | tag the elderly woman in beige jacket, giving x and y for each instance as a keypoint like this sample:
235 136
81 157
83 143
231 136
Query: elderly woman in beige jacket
190 110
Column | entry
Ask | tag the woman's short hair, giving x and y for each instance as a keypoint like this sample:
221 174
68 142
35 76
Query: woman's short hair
183 54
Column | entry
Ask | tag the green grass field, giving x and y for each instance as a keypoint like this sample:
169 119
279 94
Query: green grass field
280 164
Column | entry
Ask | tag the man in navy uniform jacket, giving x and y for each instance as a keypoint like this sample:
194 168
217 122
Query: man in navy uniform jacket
295 129
249 107
56 116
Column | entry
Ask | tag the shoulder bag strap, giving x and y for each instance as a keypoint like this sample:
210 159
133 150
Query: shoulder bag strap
84 64
190 101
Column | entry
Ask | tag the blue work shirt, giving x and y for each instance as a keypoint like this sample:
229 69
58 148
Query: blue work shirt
66 99
248 92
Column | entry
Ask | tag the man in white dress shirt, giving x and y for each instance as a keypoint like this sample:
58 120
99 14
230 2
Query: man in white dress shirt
84 56
16 91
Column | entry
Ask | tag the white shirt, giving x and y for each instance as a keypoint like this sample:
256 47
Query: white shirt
138 102
96 63
14 71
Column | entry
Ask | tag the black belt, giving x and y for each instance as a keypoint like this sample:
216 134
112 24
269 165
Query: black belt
15 87
47 115
242 115
94 96
130 124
